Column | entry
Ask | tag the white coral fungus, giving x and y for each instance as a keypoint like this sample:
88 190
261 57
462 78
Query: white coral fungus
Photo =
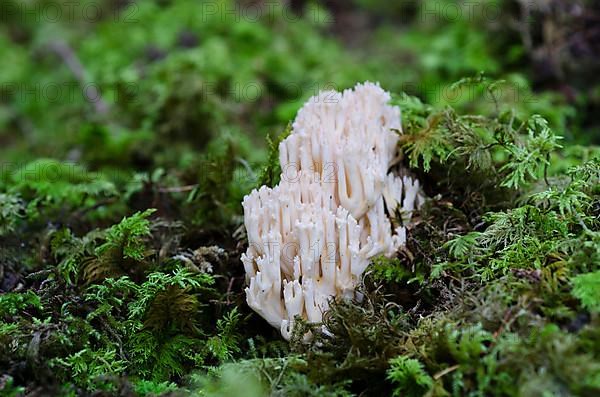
311 236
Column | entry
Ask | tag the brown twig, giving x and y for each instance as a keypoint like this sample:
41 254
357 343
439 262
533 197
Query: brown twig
229 288
68 56
177 189
445 371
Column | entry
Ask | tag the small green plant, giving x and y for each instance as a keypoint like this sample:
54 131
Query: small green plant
12 212
72 252
88 366
124 249
49 186
269 175
390 269
513 152
127 237
409 377
586 287
11 304
148 388
226 344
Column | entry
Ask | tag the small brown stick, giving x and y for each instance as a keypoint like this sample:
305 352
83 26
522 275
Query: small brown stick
177 189
445 371
68 56
229 287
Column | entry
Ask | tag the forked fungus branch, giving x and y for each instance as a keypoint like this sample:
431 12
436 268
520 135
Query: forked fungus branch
311 237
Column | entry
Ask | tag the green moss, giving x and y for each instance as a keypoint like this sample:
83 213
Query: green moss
120 219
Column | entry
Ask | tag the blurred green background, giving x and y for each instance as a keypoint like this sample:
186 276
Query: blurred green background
167 87
165 78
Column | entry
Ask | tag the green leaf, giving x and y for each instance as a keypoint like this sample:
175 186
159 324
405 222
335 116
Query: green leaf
586 288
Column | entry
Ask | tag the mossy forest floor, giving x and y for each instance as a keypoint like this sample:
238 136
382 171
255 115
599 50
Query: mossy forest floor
129 136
